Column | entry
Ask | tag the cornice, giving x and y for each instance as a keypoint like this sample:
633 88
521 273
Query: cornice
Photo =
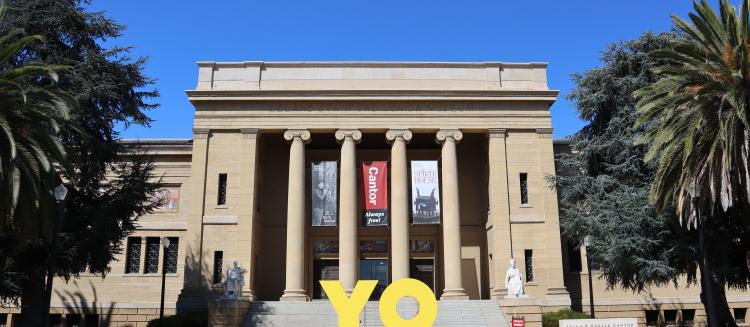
372 95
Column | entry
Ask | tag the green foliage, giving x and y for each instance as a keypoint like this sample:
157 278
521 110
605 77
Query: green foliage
603 182
34 112
109 185
696 116
187 319
552 319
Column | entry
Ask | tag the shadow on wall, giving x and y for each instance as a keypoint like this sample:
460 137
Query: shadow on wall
198 294
88 313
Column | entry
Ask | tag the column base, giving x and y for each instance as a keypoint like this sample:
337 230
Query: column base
454 294
294 295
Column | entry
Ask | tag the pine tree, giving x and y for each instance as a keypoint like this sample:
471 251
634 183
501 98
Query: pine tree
111 184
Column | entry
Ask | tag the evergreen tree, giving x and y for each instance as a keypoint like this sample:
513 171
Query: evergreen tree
110 185
604 183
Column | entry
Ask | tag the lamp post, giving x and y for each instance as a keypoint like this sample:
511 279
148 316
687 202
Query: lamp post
591 282
165 244
60 192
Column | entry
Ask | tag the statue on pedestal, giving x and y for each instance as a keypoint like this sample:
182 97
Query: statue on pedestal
234 282
513 280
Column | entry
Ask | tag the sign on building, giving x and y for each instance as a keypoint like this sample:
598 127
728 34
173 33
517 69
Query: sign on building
425 192
375 183
324 193
612 322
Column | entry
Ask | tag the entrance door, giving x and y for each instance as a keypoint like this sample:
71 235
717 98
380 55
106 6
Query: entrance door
323 269
375 269
423 270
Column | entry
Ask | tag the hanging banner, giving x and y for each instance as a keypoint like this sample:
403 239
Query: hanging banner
425 192
323 177
375 182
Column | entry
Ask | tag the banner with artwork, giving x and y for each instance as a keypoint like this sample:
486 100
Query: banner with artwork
324 193
425 192
375 182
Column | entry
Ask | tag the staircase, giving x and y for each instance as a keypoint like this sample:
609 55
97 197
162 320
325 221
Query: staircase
478 313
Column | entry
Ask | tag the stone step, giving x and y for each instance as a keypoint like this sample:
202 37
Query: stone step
478 313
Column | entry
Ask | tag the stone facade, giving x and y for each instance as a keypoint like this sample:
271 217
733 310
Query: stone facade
242 187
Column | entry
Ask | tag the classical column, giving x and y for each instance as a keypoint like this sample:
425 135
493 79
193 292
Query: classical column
295 220
499 215
557 293
348 247
399 204
451 216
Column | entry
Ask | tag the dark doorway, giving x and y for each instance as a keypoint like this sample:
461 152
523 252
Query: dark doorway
374 269
324 269
423 270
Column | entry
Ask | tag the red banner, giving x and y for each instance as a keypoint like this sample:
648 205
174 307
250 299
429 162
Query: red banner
375 183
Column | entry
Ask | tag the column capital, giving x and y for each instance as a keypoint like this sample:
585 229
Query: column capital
393 134
201 133
498 132
249 133
444 134
544 132
303 134
342 134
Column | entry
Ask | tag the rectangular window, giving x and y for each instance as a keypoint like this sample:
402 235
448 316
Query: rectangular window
524 188
133 263
670 317
55 320
740 315
170 255
529 259
688 317
92 320
222 196
152 255
574 258
652 317
72 320
218 266
3 319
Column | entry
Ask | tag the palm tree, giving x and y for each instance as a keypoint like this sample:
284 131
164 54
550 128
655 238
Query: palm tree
696 124
33 112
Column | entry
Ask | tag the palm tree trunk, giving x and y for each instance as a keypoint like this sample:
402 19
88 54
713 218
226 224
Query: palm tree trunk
34 310
713 294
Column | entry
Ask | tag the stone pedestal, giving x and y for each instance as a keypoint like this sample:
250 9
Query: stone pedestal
228 312
525 306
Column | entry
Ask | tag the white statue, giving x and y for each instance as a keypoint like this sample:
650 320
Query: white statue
235 281
513 280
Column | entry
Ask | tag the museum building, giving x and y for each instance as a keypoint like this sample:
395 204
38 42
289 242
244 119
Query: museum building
307 171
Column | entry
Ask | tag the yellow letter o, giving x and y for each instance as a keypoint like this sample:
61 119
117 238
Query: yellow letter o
408 287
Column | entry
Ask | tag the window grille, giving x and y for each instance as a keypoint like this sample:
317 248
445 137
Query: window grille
152 255
218 264
133 255
524 188
529 259
222 196
170 261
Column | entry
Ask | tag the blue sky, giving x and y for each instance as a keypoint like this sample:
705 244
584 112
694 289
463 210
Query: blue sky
568 34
